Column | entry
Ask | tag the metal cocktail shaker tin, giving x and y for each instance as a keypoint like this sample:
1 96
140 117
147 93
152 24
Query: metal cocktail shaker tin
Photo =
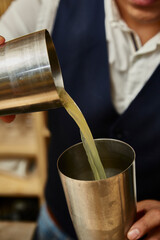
29 74
103 209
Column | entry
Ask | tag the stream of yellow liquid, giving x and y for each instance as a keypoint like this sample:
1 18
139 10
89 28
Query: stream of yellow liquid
86 135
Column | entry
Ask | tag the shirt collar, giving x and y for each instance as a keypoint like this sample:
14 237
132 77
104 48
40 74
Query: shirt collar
114 16
115 21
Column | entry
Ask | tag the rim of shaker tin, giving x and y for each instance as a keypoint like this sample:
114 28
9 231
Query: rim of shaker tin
53 60
97 139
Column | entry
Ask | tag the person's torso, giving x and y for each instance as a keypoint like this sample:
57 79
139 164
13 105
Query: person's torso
80 41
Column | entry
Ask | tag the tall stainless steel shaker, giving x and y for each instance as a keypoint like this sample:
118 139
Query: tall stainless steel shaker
104 209
29 74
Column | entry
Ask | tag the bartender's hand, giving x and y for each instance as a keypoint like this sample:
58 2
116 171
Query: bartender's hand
10 118
148 221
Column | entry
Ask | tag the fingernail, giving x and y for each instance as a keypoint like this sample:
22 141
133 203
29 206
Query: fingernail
133 234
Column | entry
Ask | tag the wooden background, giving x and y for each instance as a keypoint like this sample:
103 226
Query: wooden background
27 137
4 5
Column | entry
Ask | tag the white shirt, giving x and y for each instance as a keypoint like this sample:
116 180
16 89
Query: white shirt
129 69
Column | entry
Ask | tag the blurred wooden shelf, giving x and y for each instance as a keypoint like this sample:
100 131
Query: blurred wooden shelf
25 138
27 151
18 186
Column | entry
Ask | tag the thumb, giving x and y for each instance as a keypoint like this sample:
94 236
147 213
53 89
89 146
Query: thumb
145 224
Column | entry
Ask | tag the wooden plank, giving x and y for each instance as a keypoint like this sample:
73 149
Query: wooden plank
28 151
16 186
16 230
